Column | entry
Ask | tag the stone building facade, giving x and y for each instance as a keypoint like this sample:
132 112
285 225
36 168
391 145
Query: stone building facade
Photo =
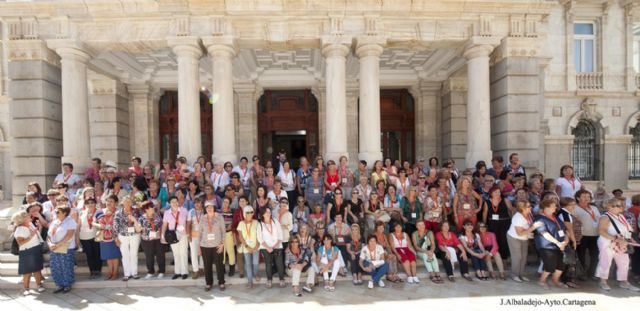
556 81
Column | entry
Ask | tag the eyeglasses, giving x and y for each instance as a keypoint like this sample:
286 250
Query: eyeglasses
227 166
422 177
284 202
248 212
356 193
616 205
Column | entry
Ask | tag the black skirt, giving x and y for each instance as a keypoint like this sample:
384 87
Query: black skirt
30 260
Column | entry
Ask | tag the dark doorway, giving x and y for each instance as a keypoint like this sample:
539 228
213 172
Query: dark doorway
288 120
397 125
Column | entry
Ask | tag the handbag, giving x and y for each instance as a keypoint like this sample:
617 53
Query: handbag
61 248
171 236
15 248
629 248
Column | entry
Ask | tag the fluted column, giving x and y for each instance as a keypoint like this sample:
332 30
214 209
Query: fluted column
478 104
76 146
336 102
222 51
370 148
188 51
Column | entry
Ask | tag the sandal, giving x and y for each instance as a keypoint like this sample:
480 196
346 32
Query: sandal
451 278
207 288
561 285
439 280
433 279
269 284
572 285
222 287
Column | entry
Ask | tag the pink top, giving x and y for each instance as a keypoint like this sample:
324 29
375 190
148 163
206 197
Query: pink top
489 240
170 219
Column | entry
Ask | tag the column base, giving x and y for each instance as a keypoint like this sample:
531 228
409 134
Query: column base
472 157
335 156
80 164
370 156
227 157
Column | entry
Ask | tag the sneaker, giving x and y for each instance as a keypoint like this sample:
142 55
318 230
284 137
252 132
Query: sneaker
525 279
370 285
148 276
136 277
58 290
381 283
41 289
160 275
410 280
516 279
604 286
628 286
175 276
307 288
416 280
26 292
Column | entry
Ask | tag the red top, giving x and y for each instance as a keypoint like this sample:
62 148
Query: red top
489 239
238 216
452 241
331 179
635 210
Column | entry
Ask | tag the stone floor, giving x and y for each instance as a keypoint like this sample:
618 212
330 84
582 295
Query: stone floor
461 295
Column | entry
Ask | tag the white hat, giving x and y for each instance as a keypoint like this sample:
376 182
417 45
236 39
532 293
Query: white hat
110 164
247 209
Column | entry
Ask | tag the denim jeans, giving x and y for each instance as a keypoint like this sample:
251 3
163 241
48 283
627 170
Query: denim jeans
251 261
378 272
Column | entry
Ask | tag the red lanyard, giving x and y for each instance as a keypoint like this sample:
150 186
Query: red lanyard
573 183
622 220
198 216
65 179
90 219
494 208
248 229
590 212
152 223
554 220
529 219
176 217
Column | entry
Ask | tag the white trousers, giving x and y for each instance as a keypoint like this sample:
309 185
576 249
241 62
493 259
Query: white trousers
194 246
129 249
181 255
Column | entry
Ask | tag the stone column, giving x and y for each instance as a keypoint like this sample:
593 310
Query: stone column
616 168
336 107
139 99
188 51
454 120
75 108
222 51
427 119
247 141
369 148
478 105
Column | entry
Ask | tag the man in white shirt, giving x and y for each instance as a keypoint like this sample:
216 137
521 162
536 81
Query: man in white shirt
67 176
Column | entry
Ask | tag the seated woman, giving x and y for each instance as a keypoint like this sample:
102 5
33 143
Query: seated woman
353 249
381 237
298 260
402 248
425 246
328 260
373 260
473 246
450 250
490 244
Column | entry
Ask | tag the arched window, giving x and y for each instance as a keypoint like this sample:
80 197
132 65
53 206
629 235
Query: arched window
585 152
634 153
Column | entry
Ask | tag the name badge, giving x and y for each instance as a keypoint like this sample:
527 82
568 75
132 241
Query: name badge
153 235
180 228
414 215
466 206
344 180
131 230
316 191
211 236
340 239
195 234
561 233
495 217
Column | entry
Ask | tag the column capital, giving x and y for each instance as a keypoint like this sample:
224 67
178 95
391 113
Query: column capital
188 46
221 46
70 49
370 46
338 46
138 88
479 47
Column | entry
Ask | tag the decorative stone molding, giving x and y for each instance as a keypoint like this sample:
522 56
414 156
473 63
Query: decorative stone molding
186 46
71 49
107 87
221 46
32 50
454 84
221 26
618 139
558 139
588 111
517 47
632 121
479 47
180 26
369 46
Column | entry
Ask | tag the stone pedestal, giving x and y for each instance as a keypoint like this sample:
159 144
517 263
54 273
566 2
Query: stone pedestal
478 108
336 107
36 115
188 51
370 148
222 51
517 95
75 107
110 123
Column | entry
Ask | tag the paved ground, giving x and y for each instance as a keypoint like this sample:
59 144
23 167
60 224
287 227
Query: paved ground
459 296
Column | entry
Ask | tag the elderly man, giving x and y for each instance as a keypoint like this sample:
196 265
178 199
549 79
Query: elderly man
219 178
68 177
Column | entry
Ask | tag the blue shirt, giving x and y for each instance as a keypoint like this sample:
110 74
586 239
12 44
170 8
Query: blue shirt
303 177
550 226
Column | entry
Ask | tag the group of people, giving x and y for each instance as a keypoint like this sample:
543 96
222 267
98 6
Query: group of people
325 220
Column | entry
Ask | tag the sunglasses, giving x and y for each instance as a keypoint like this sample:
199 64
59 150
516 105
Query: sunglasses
249 213
338 193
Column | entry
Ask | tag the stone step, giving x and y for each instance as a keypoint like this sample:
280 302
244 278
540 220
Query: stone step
7 257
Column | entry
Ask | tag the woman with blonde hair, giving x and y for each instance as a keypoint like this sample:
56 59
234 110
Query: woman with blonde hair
29 241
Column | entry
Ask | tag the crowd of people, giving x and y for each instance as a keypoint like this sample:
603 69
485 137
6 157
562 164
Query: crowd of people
324 220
